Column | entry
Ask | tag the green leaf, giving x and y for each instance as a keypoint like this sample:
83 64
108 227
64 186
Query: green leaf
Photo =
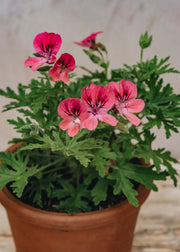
40 186
20 97
44 69
124 185
99 191
101 159
161 158
81 150
72 200
55 143
87 150
18 175
125 172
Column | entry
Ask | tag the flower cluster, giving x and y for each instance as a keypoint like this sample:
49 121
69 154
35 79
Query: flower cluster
47 46
96 100
94 104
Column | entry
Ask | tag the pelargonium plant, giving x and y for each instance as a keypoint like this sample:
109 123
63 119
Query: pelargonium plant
82 139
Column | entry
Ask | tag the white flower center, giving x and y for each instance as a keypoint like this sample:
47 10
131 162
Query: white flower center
77 120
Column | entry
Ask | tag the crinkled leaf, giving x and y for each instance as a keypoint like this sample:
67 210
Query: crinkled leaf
101 159
124 185
19 172
99 191
72 199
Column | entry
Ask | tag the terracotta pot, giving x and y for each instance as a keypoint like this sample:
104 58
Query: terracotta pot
109 230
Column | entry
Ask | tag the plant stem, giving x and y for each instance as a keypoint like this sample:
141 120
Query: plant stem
100 54
48 165
106 72
85 69
141 56
52 170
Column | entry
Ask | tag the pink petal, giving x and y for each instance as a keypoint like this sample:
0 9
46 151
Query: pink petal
90 123
74 130
98 93
108 119
67 106
52 59
93 95
84 115
114 90
57 75
67 60
64 76
93 35
87 42
66 123
35 62
63 109
47 42
84 43
127 88
109 97
65 63
135 105
132 118
87 93
54 73
113 85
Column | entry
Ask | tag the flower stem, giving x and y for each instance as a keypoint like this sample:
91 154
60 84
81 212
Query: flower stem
85 69
106 72
100 54
141 56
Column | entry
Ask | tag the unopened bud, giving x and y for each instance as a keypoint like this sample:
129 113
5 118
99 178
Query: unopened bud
144 40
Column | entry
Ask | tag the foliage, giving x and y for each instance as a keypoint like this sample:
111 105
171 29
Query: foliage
77 174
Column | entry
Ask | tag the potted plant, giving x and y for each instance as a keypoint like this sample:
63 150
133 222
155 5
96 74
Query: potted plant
84 163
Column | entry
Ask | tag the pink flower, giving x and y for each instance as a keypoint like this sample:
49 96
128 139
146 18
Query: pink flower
47 45
98 101
65 63
73 112
89 41
125 100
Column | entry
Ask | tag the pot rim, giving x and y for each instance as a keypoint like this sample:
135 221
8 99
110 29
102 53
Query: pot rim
64 220
79 220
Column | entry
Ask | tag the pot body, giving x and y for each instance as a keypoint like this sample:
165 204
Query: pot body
108 230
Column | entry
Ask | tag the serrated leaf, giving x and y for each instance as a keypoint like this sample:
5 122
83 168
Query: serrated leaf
86 150
102 157
21 180
124 185
40 186
72 199
45 142
18 175
99 191
84 157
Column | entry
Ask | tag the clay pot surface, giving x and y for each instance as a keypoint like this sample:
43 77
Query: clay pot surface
108 230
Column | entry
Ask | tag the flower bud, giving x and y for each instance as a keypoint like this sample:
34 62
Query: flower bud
144 40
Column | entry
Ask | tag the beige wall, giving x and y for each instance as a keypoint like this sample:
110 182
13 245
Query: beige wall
121 20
